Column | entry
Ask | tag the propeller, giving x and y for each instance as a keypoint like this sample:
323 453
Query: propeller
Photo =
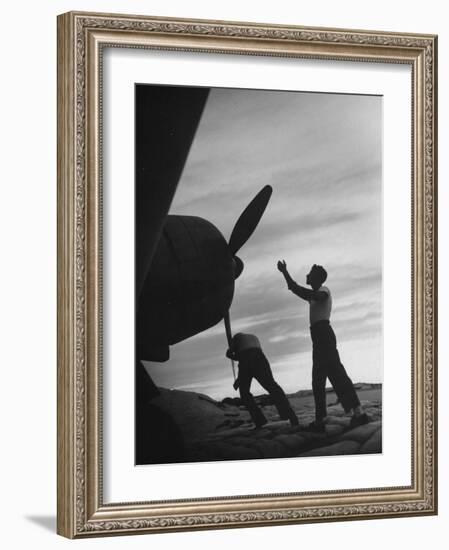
248 220
243 229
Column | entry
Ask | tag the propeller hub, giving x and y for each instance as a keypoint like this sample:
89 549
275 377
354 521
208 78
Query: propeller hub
238 266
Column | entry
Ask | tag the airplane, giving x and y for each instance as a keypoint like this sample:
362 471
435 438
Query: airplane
190 284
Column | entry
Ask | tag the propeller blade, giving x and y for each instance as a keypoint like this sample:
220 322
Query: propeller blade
227 323
248 220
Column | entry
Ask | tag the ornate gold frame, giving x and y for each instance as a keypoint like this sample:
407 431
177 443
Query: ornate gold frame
81 37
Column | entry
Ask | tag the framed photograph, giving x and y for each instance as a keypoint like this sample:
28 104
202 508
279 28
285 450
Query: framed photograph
246 274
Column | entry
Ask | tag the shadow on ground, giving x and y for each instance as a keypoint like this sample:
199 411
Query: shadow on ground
46 522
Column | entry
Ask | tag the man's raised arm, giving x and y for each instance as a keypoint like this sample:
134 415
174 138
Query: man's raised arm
301 291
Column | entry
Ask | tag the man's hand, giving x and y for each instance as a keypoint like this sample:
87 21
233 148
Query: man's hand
282 266
291 285
236 384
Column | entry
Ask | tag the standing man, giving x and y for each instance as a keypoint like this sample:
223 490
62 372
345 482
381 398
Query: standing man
246 349
326 359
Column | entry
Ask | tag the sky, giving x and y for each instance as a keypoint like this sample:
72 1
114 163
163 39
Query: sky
322 154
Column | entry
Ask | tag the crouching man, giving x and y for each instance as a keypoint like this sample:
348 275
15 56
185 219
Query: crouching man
246 349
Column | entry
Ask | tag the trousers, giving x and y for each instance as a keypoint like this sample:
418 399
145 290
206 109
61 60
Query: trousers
327 364
254 364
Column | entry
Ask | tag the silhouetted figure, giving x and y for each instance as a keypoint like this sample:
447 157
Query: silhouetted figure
326 359
253 363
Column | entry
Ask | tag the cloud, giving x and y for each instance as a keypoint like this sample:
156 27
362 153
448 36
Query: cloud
285 336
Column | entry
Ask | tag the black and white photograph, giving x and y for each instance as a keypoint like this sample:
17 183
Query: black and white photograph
258 274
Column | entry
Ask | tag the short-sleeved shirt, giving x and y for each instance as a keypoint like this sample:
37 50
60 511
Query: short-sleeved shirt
320 310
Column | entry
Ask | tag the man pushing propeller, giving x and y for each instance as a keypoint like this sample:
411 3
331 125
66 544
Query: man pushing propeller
252 363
